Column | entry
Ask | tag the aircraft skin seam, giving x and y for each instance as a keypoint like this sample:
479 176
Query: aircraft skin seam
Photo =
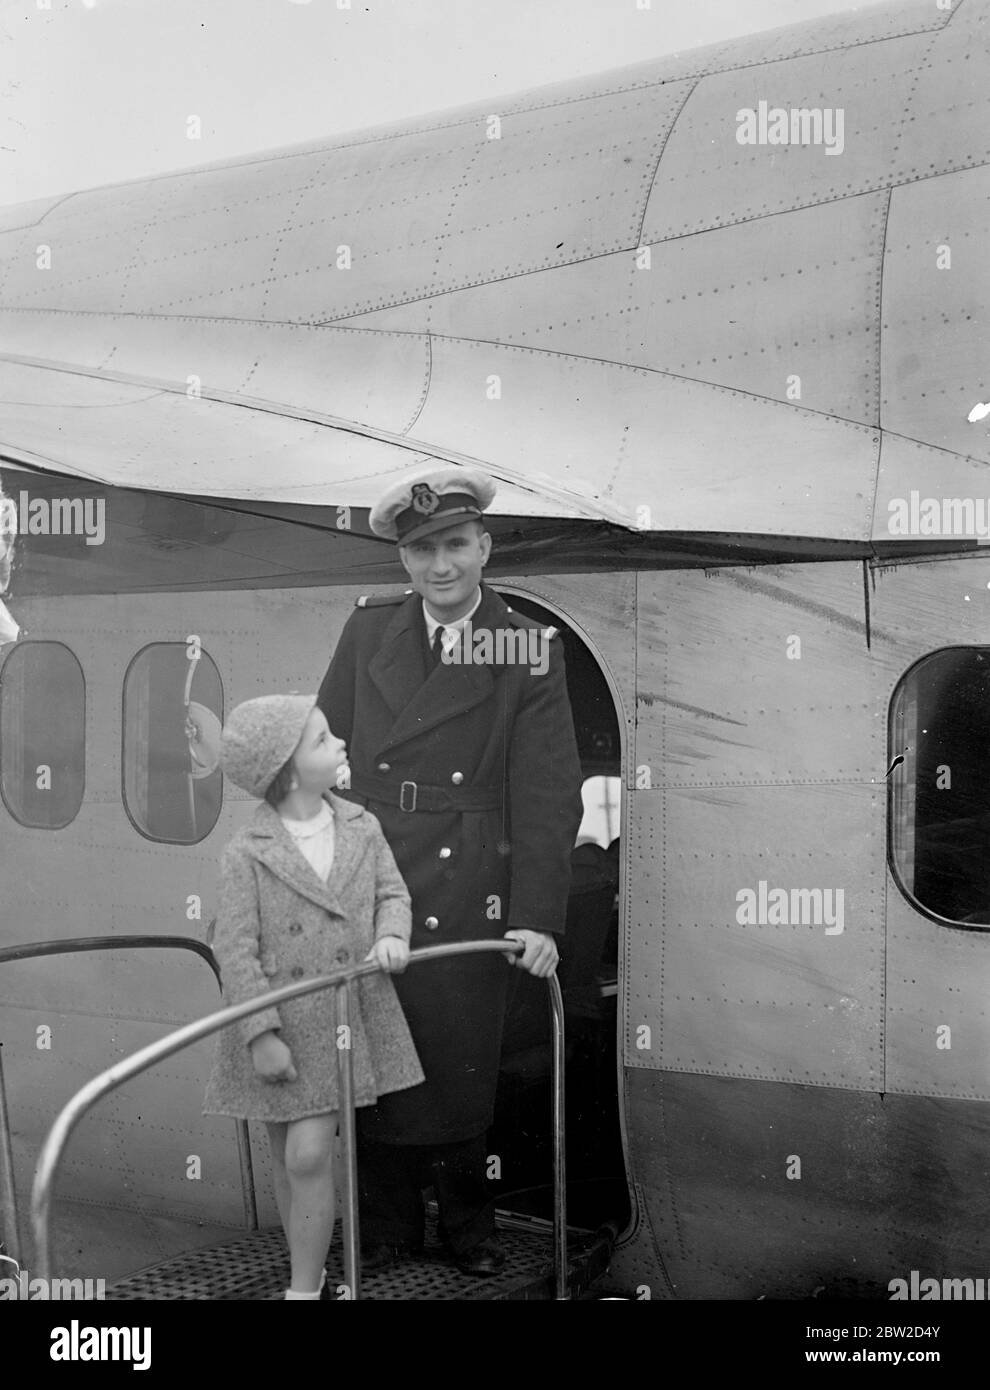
829 1081
663 145
351 312
871 518
870 188
881 267
673 1205
424 393
288 225
610 362
923 62
937 24
231 205
583 509
319 418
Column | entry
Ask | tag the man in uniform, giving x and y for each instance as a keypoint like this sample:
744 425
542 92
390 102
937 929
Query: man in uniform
472 768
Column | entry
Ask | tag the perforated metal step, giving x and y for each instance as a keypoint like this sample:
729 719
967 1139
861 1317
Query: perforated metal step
256 1266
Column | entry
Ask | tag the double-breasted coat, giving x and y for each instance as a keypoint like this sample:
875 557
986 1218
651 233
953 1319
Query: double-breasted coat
279 923
483 838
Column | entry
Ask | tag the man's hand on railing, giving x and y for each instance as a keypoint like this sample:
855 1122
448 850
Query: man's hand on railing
272 1059
391 953
540 956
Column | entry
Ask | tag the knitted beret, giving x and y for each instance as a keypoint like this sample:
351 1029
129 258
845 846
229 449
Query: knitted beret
260 737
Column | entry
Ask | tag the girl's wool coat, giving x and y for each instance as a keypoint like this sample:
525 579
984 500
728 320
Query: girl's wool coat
279 923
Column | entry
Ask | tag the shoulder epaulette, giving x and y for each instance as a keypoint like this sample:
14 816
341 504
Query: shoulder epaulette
380 600
520 620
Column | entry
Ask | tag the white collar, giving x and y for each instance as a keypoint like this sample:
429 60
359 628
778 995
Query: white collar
457 626
304 829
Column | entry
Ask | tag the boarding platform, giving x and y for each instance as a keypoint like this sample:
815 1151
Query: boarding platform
255 1266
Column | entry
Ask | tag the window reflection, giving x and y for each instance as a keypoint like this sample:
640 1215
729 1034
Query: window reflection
940 791
173 711
42 735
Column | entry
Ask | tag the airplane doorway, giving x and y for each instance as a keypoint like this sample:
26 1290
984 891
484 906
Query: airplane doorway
597 1190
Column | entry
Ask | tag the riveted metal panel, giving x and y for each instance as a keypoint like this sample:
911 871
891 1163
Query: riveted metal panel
948 117
631 439
936 974
715 307
869 25
167 441
707 178
885 1187
911 474
778 1002
556 186
921 607
418 214
935 314
764 777
350 373
937 978
131 1150
798 704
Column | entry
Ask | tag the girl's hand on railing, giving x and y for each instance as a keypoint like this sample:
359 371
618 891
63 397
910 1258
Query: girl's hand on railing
272 1059
391 953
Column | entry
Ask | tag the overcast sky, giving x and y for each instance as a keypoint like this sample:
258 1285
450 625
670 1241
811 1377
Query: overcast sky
95 91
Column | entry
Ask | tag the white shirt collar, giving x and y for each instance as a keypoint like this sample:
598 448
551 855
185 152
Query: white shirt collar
457 626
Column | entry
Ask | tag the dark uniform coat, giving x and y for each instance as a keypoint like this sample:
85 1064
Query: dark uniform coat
498 741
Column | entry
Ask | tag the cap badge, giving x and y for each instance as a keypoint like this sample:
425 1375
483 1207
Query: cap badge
424 499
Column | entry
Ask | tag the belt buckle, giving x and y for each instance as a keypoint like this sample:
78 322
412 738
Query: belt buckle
402 796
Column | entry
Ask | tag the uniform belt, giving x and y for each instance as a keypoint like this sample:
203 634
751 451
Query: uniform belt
417 796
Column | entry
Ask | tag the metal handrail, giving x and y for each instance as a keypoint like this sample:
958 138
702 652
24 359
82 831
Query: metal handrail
68 945
70 1115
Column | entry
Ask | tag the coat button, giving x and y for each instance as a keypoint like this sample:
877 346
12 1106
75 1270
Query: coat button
295 928
296 972
445 852
457 778
384 767
342 957
431 924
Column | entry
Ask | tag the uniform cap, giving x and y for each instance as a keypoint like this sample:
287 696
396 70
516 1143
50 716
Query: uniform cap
431 502
260 737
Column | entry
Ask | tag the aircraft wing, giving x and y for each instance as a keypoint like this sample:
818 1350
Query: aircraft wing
598 291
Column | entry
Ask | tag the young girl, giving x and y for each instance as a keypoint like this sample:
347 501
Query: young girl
308 886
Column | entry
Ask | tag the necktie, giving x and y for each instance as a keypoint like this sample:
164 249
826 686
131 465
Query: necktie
437 647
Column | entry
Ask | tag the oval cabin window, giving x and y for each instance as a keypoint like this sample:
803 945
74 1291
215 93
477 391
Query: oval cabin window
42 735
173 710
940 789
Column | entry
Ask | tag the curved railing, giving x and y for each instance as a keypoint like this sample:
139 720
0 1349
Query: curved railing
69 945
58 1137
66 945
